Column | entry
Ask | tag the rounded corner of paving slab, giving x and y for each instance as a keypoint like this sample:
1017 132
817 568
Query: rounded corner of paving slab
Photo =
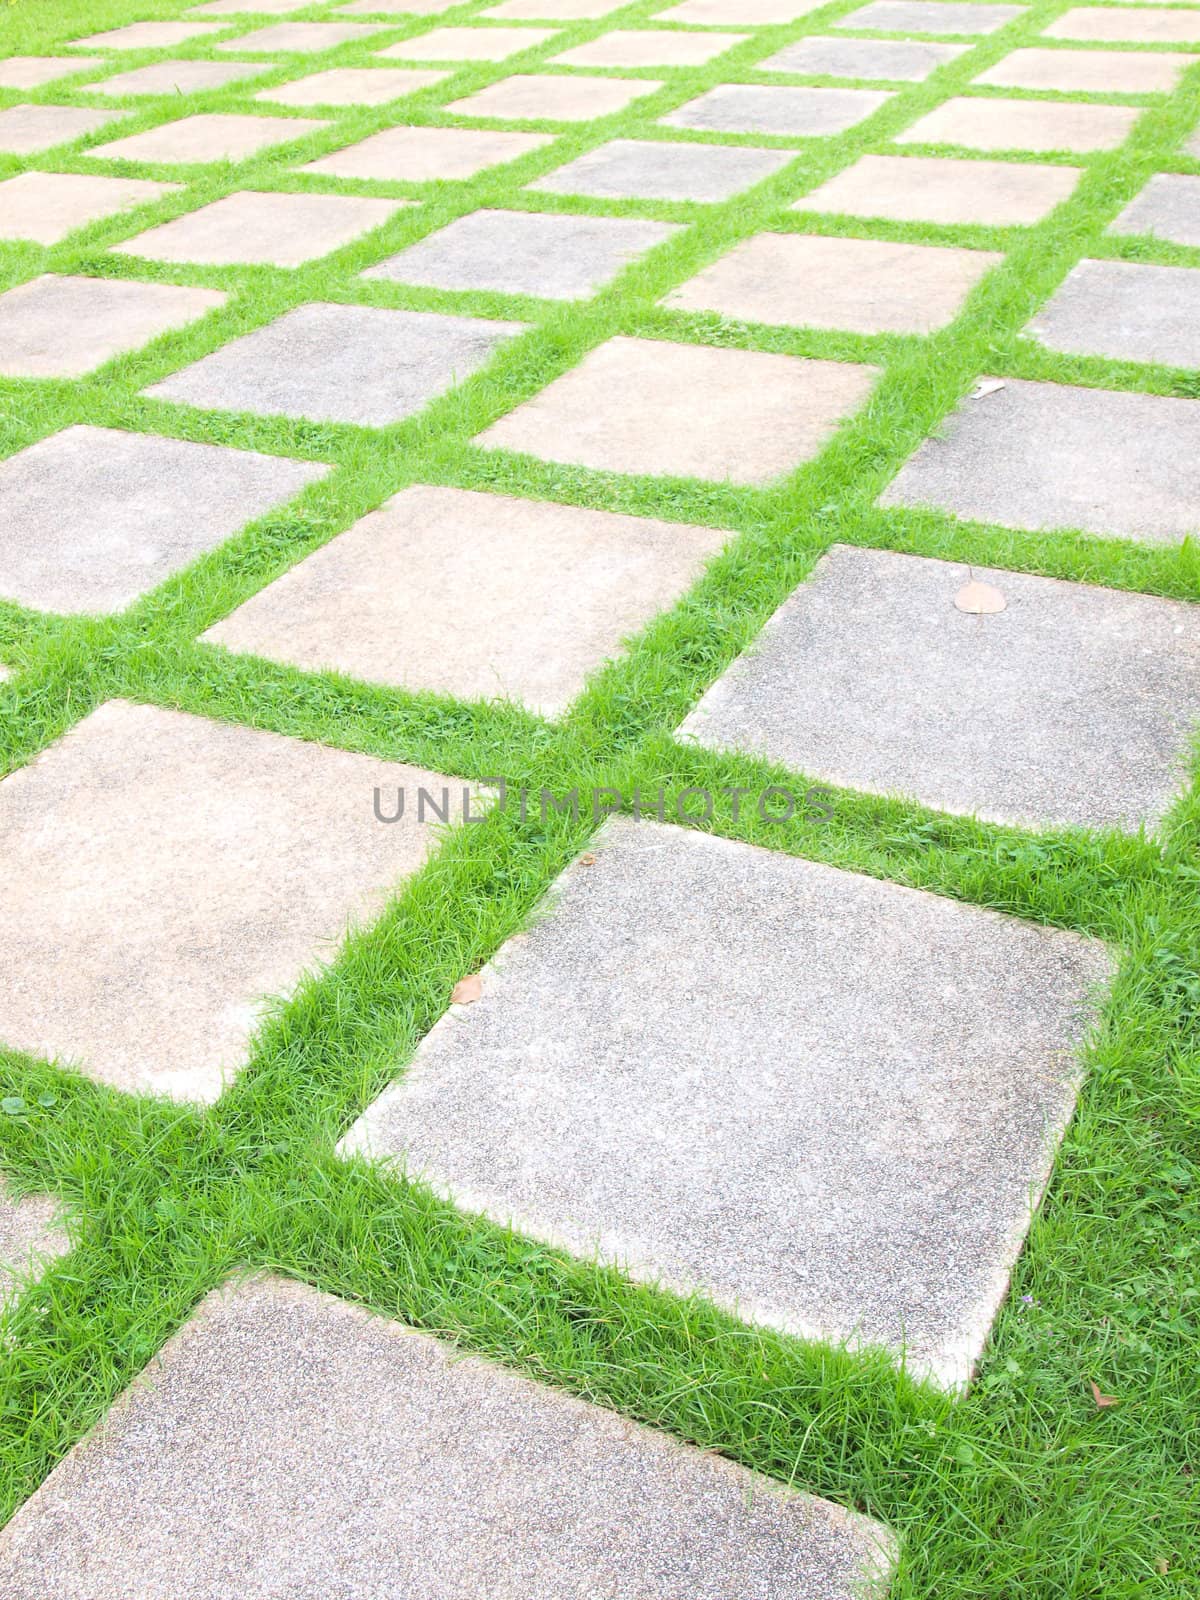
266 1399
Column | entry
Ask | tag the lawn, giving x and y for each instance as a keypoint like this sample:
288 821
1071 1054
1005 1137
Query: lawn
1030 1484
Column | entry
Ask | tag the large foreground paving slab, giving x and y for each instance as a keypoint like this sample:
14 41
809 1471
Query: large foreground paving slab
1090 71
352 86
282 230
557 10
524 252
1045 125
1127 311
930 16
808 280
209 136
47 206
1167 208
467 44
1043 456
177 77
646 406
163 875
650 47
300 38
335 363
91 518
642 169
288 1443
29 1237
238 8
741 13
148 36
897 60
822 1100
426 155
532 97
1143 25
476 595
772 109
1071 705
32 72
63 327
1001 194
28 130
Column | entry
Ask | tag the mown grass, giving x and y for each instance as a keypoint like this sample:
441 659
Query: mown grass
1023 1488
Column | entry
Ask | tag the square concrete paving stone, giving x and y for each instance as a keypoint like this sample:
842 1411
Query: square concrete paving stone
222 864
821 1100
30 1237
47 206
1140 25
60 327
426 155
1167 208
286 1442
335 363
650 47
1042 456
930 16
352 86
1041 125
1089 71
529 97
31 72
809 281
522 252
475 595
1126 311
178 77
149 35
895 60
554 10
237 8
300 38
209 136
379 8
690 411
739 13
92 518
771 108
282 230
468 44
1000 194
28 130
633 169
1073 706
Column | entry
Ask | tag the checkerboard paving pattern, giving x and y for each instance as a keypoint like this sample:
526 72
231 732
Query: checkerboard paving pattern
405 406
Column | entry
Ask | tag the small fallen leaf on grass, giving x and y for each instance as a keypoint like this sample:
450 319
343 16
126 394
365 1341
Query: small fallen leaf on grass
13 1106
1162 1566
466 990
979 599
1102 1400
987 387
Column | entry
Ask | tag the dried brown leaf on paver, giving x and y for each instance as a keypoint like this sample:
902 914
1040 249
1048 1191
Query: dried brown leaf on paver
467 990
980 599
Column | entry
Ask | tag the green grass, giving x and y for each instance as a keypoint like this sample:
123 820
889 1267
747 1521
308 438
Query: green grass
1023 1488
